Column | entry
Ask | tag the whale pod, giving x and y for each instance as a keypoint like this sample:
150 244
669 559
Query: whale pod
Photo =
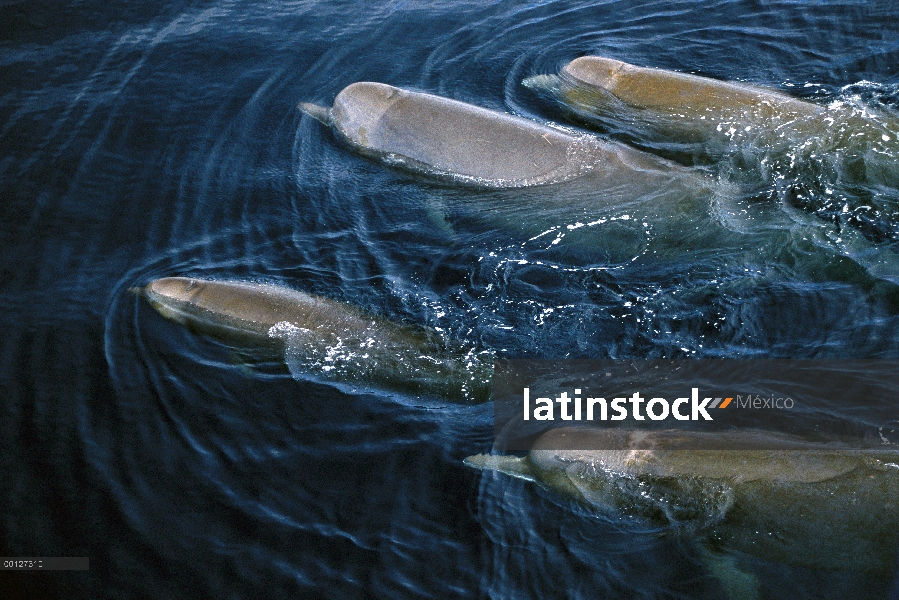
321 336
605 198
810 504
466 143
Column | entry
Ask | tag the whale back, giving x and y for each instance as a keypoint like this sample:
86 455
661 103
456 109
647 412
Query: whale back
819 505
671 91
738 456
450 137
231 308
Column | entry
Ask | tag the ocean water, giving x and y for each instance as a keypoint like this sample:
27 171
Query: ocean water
148 139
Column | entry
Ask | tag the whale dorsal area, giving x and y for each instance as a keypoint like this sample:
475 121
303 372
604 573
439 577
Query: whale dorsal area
739 456
454 137
659 89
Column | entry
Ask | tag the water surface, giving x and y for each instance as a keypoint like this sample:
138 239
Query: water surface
158 139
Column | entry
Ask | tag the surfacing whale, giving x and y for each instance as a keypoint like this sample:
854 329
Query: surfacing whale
603 194
835 161
808 504
675 105
323 337
468 144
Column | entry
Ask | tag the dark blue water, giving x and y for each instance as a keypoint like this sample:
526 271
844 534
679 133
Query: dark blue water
141 140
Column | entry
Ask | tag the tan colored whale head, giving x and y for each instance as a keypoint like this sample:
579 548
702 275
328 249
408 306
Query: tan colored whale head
171 297
175 288
596 70
685 95
358 108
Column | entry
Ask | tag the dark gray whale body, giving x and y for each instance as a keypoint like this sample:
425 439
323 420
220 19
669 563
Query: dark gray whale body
321 336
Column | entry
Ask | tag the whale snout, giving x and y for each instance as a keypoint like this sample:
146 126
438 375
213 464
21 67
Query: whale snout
321 114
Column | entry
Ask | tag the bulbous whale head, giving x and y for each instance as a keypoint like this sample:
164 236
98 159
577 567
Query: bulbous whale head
596 70
174 288
469 144
194 296
685 95
358 108
171 297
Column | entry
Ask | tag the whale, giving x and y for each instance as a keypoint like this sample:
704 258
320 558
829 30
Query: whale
319 336
834 161
468 144
818 505
594 83
555 188
673 105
